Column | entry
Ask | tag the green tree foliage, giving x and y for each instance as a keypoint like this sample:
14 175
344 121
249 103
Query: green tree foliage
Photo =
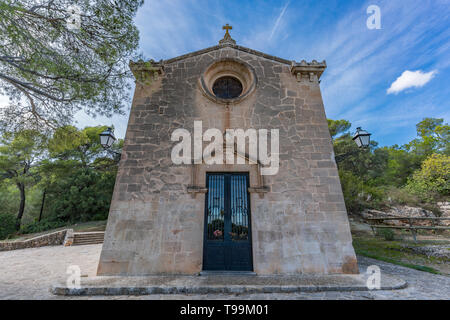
432 181
415 174
85 195
66 177
79 176
400 165
7 225
433 137
81 146
352 187
337 127
9 197
19 153
366 163
50 70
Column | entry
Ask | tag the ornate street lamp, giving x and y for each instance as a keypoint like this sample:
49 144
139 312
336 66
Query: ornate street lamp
362 140
107 139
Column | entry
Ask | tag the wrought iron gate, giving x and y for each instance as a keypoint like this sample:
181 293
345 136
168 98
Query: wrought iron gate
227 240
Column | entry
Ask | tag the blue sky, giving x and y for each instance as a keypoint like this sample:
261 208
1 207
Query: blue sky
414 41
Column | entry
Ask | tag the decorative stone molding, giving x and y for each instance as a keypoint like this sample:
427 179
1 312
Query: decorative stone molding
228 67
227 40
308 71
263 189
198 185
146 72
193 190
260 190
197 189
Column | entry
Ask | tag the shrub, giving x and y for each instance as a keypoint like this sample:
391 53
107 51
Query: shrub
7 225
432 181
80 197
373 197
100 216
388 234
358 195
433 208
41 226
401 196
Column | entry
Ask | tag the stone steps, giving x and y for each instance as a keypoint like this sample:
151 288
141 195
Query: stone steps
85 238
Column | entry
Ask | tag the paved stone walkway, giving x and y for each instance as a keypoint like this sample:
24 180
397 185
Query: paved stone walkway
29 273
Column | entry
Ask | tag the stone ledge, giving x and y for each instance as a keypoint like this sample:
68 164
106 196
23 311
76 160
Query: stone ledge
263 189
112 286
195 189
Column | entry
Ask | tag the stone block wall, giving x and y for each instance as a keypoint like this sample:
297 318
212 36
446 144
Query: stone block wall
156 227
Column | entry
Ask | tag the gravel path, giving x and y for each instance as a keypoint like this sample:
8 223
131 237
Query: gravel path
29 273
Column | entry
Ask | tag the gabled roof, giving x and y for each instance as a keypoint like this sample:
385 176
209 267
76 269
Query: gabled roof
299 69
228 44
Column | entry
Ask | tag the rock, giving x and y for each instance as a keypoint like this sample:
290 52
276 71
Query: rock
437 251
402 211
445 209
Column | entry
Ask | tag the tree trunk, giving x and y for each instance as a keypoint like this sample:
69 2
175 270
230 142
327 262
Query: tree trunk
21 187
42 205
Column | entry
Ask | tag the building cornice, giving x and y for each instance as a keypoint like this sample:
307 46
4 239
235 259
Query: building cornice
308 71
146 72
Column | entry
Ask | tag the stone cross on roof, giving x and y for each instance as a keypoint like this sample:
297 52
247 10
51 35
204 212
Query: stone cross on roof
227 38
227 27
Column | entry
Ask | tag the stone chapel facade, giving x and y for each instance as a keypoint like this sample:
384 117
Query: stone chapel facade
184 219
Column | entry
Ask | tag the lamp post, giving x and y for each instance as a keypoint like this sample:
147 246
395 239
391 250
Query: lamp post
107 139
362 140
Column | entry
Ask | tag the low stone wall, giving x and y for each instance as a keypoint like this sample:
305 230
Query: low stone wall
50 239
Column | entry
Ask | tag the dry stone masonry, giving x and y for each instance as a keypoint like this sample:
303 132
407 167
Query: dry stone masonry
50 239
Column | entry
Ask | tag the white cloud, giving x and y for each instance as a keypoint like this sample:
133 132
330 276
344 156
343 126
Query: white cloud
410 79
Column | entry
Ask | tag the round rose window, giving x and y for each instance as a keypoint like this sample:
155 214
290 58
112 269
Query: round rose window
228 81
227 87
